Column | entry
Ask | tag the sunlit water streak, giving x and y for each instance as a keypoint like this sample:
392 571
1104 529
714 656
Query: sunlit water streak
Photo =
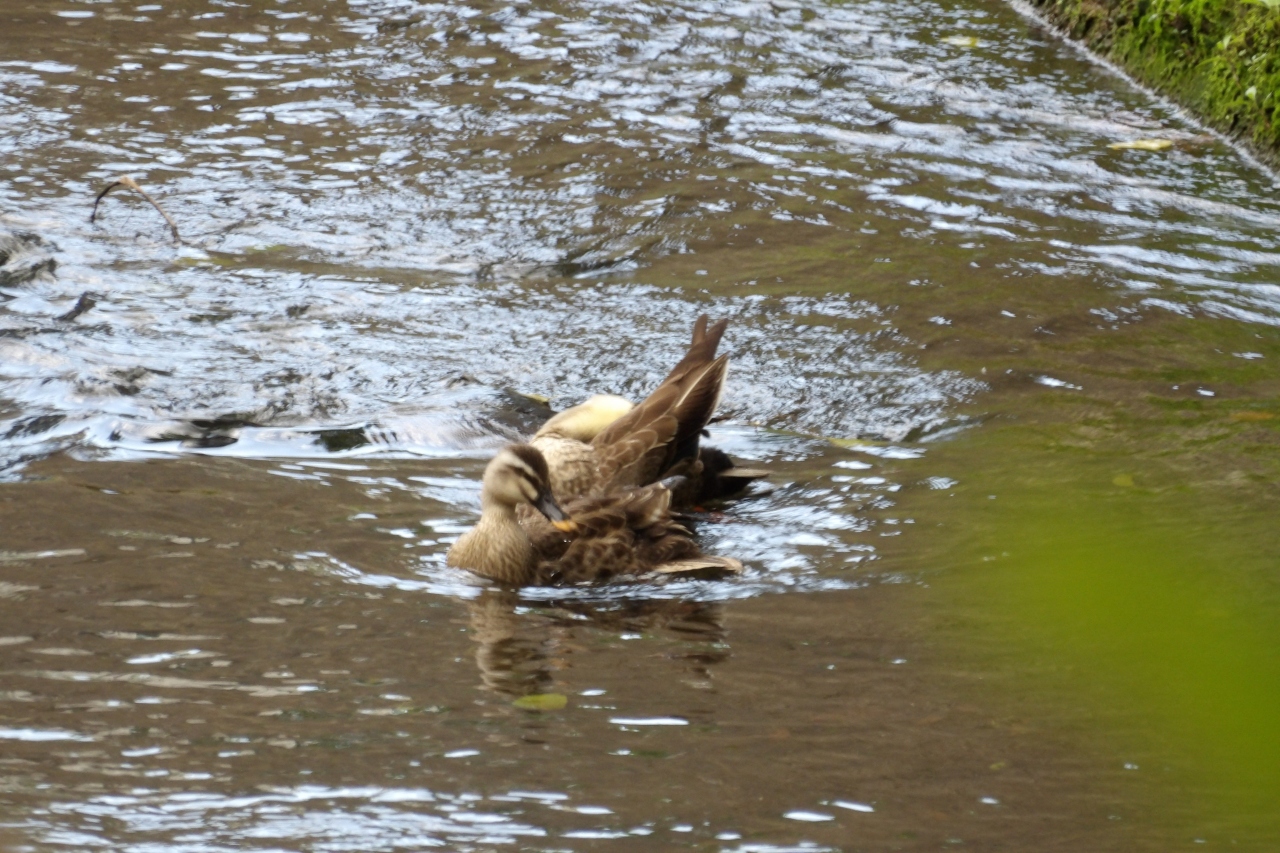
356 819
162 396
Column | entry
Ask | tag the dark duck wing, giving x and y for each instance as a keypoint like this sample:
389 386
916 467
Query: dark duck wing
621 534
663 431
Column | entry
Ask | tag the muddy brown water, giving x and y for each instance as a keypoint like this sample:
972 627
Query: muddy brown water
1011 585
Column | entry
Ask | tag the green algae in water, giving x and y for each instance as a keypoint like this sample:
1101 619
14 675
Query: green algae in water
542 702
1219 57
1138 614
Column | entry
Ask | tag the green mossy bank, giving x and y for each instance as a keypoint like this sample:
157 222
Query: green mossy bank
1219 58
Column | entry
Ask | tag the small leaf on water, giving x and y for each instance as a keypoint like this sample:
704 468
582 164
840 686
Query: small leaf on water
968 41
1124 480
541 702
853 443
1144 144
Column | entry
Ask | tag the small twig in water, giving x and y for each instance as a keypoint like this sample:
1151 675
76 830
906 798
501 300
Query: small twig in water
87 300
129 183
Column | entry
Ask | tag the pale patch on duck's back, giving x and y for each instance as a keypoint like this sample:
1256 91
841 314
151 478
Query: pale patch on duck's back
588 419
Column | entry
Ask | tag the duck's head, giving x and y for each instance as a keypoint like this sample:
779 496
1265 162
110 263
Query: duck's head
588 419
518 474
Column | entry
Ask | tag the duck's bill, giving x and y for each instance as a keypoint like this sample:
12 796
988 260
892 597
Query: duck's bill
546 505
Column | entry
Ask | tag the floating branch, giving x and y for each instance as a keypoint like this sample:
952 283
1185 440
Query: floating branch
129 183
87 300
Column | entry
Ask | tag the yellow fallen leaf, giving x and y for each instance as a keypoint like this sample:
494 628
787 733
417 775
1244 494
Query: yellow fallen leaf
541 702
1144 144
962 41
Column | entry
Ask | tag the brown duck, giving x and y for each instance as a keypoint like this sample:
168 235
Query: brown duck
608 535
605 443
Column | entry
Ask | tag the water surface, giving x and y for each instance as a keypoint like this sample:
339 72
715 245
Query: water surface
1013 384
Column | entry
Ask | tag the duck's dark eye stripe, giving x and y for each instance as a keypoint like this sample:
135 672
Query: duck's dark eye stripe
529 474
531 458
523 470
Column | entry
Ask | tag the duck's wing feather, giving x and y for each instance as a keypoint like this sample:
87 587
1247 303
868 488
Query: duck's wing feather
648 442
624 533
639 441
690 368
694 411
662 431
700 565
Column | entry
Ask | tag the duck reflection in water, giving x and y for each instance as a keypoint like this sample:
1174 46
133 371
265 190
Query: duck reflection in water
523 644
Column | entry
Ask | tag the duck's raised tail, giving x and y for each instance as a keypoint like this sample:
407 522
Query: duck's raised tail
702 350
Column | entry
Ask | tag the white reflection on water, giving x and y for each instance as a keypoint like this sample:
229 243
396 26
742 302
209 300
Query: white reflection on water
328 820
40 735
319 818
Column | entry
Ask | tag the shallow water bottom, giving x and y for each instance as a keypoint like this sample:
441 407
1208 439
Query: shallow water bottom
175 677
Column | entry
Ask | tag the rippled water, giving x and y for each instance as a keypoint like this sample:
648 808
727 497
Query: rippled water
404 226
381 199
